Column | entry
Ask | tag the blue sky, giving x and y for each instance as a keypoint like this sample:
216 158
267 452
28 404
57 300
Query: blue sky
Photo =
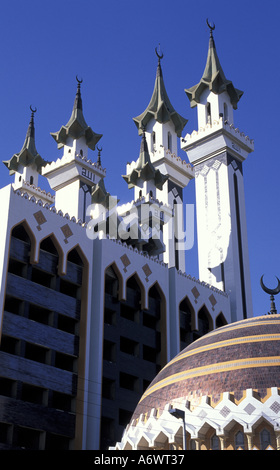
111 45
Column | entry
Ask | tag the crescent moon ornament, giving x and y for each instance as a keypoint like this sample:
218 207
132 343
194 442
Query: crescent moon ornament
33 110
209 25
268 290
160 56
79 81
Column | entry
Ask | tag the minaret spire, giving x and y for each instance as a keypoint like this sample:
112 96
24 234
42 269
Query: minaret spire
77 126
78 100
160 57
28 156
213 78
74 176
144 170
160 107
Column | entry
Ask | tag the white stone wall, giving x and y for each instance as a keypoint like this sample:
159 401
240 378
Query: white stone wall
165 431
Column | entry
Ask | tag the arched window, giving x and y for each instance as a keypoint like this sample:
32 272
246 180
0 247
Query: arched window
239 440
48 245
111 282
157 317
204 323
265 439
225 112
169 144
220 320
20 243
192 444
75 258
215 442
20 233
185 316
208 113
153 141
31 179
134 291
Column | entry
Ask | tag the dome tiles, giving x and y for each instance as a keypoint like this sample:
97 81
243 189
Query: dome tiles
236 357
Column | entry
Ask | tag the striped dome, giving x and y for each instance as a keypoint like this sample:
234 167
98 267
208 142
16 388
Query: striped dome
233 358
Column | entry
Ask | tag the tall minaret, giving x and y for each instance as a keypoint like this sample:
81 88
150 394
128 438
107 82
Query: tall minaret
163 125
217 151
74 176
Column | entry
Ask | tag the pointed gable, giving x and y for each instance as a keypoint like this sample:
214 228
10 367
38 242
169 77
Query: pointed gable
213 78
160 107
77 126
144 169
28 155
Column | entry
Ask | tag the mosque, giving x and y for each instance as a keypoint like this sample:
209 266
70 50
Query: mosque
105 341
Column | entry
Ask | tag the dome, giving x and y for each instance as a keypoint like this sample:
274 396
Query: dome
226 378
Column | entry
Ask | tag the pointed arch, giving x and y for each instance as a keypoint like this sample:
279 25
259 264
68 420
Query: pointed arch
76 255
142 443
133 282
157 303
113 281
186 313
155 289
215 442
220 320
239 439
264 433
204 321
161 440
30 235
208 432
50 244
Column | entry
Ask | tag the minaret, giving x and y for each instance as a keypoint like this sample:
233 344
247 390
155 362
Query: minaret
74 176
146 180
217 151
163 126
27 165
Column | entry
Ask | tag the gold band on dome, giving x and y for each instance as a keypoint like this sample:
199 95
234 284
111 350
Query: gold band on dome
238 326
213 369
225 343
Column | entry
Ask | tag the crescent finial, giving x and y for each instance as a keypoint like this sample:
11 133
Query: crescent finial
99 155
160 56
79 81
211 27
33 110
270 291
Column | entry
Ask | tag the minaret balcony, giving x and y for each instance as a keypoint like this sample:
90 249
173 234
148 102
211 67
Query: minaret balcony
32 190
215 138
70 167
178 170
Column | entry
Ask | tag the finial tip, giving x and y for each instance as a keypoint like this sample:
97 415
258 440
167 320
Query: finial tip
79 81
211 27
160 56
33 110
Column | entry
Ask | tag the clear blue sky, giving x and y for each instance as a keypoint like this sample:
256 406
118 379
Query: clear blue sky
111 45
